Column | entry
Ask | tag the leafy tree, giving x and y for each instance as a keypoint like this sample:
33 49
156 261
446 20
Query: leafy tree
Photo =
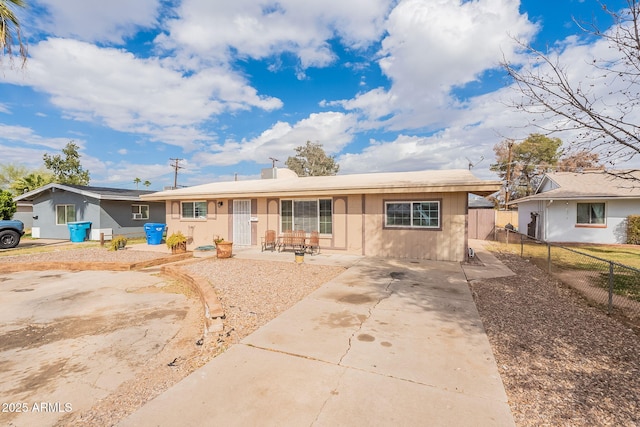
147 183
137 181
10 33
522 165
30 182
311 160
7 205
67 170
602 107
10 172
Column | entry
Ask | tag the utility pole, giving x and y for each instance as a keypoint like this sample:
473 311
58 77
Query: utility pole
273 162
176 166
506 192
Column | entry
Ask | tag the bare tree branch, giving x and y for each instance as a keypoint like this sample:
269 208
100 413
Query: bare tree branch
602 107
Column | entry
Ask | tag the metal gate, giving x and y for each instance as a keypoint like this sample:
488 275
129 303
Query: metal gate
242 222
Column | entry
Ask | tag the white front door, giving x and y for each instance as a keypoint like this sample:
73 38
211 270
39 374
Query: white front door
242 222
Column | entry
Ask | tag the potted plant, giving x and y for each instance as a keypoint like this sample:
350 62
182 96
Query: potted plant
118 243
223 248
177 242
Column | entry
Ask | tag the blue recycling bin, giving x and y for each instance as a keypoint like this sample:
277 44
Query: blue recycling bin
154 232
78 230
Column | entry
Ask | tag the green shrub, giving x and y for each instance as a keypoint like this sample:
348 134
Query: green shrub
176 239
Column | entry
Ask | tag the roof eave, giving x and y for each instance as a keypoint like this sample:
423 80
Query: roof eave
479 189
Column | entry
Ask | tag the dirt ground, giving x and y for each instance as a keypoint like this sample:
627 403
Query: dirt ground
69 339
563 362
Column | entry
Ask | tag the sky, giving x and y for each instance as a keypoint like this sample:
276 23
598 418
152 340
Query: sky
383 85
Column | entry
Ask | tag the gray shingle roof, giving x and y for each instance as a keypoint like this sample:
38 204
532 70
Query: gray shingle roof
588 185
101 193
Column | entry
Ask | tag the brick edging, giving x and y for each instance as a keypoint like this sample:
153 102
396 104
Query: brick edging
213 311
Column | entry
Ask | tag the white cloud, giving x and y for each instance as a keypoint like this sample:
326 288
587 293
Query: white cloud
97 20
216 28
135 95
123 151
435 47
22 145
16 154
123 174
331 129
22 136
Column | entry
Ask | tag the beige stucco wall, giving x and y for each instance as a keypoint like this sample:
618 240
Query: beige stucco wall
358 226
200 231
447 244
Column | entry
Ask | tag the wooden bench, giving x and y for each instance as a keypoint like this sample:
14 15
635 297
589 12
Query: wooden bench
294 239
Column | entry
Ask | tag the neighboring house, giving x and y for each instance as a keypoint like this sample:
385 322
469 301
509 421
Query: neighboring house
111 211
587 207
24 213
402 215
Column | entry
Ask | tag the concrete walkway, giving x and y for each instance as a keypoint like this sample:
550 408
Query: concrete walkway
387 343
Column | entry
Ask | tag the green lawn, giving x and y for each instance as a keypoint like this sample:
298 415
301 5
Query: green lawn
623 254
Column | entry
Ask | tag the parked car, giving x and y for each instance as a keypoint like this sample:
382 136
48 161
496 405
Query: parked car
10 233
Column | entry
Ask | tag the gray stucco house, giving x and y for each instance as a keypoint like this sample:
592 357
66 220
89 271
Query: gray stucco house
111 211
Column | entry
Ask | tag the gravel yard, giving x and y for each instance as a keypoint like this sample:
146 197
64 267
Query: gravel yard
254 292
563 363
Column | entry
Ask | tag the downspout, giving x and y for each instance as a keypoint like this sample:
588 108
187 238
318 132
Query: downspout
364 224
546 219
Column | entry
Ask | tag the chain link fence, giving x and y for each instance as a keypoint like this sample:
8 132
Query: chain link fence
613 286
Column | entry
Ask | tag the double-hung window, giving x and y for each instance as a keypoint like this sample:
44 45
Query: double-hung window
308 215
400 214
590 213
140 211
65 214
194 210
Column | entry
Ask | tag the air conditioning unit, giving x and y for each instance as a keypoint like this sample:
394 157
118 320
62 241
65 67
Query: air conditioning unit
137 216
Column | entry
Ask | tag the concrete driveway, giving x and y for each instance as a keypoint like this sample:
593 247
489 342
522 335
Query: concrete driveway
386 343
68 339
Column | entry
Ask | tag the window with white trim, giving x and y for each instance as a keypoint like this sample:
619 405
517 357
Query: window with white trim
308 215
194 210
424 214
590 213
65 214
140 211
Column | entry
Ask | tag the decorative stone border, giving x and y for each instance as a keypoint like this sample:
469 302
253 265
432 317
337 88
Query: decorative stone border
213 311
